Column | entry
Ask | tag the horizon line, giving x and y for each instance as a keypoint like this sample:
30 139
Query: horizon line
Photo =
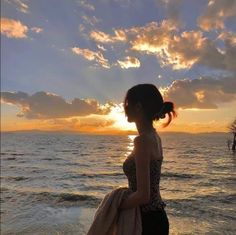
112 133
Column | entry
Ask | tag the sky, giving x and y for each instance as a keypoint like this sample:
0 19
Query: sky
67 64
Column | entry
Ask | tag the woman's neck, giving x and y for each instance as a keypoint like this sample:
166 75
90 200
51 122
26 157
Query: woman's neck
144 127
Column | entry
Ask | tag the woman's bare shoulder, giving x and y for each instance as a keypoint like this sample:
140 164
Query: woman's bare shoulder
142 145
142 139
148 144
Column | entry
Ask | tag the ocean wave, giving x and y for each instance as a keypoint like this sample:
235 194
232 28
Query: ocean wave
98 188
11 154
16 154
52 159
191 151
208 206
89 175
16 178
52 197
64 198
10 158
69 150
180 175
217 197
3 153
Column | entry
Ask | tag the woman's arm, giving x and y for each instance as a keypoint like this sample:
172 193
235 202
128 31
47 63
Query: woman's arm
133 200
142 161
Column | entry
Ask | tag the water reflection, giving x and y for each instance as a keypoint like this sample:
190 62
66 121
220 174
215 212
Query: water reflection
130 144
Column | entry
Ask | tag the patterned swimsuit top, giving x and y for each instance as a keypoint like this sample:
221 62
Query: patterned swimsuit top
129 168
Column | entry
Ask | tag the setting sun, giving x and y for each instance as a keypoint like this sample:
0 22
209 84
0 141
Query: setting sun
117 114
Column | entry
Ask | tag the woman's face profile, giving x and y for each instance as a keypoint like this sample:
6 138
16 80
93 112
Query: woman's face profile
128 111
131 111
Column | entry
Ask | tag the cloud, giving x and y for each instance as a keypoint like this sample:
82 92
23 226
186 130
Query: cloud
96 123
198 127
120 35
202 93
163 41
86 5
182 50
92 56
81 27
45 105
13 28
129 62
152 38
37 30
86 124
229 39
191 48
179 50
100 47
90 20
172 9
228 36
21 6
216 13
101 37
64 123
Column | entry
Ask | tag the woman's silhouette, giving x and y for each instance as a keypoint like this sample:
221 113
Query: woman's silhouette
143 104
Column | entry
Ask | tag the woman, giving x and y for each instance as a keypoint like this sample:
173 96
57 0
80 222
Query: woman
144 104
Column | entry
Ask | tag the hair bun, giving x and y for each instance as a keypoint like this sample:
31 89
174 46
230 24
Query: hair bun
167 107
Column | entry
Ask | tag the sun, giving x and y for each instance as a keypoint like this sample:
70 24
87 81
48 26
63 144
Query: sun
117 114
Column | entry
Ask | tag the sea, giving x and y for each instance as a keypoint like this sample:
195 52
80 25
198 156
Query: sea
52 183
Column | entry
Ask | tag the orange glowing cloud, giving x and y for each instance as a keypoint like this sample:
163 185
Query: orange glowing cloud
181 51
172 48
229 37
198 127
129 62
92 55
88 124
102 37
13 28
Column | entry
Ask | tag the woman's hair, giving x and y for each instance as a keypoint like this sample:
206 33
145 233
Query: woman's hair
152 102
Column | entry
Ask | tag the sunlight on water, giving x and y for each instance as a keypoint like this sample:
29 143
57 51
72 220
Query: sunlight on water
131 137
130 144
